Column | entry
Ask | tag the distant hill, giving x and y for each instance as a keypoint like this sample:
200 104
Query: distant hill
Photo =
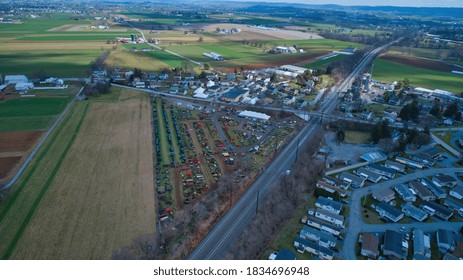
259 7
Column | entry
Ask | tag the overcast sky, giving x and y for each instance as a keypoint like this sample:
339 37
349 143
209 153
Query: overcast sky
408 3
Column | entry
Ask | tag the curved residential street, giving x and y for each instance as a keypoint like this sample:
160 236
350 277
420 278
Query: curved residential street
355 223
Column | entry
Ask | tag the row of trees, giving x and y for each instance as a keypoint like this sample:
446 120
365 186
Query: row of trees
450 112
381 134
411 111
97 88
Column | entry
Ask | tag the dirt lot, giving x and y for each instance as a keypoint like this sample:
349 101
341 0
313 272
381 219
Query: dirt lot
249 33
102 196
418 62
18 141
7 164
13 146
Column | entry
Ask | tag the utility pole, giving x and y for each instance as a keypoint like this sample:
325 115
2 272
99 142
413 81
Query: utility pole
297 149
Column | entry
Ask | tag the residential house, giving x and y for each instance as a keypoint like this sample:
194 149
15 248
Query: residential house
438 192
173 90
369 175
410 162
303 245
394 100
366 115
370 244
374 156
437 209
139 84
457 192
414 212
385 171
449 121
389 212
432 153
235 95
355 181
289 99
443 180
454 205
283 255
421 245
385 194
391 116
445 240
330 188
336 182
323 225
163 76
405 193
393 247
322 238
421 191
395 165
331 217
329 204
424 160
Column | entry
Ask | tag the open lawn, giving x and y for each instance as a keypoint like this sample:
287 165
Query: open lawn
356 137
390 71
90 189
25 114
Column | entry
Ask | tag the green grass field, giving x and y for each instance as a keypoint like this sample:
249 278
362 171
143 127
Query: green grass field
392 71
230 50
356 137
30 113
74 36
31 47
61 63
37 26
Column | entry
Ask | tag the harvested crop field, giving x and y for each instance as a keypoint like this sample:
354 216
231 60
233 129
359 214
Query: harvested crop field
420 72
419 62
250 33
267 61
91 192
